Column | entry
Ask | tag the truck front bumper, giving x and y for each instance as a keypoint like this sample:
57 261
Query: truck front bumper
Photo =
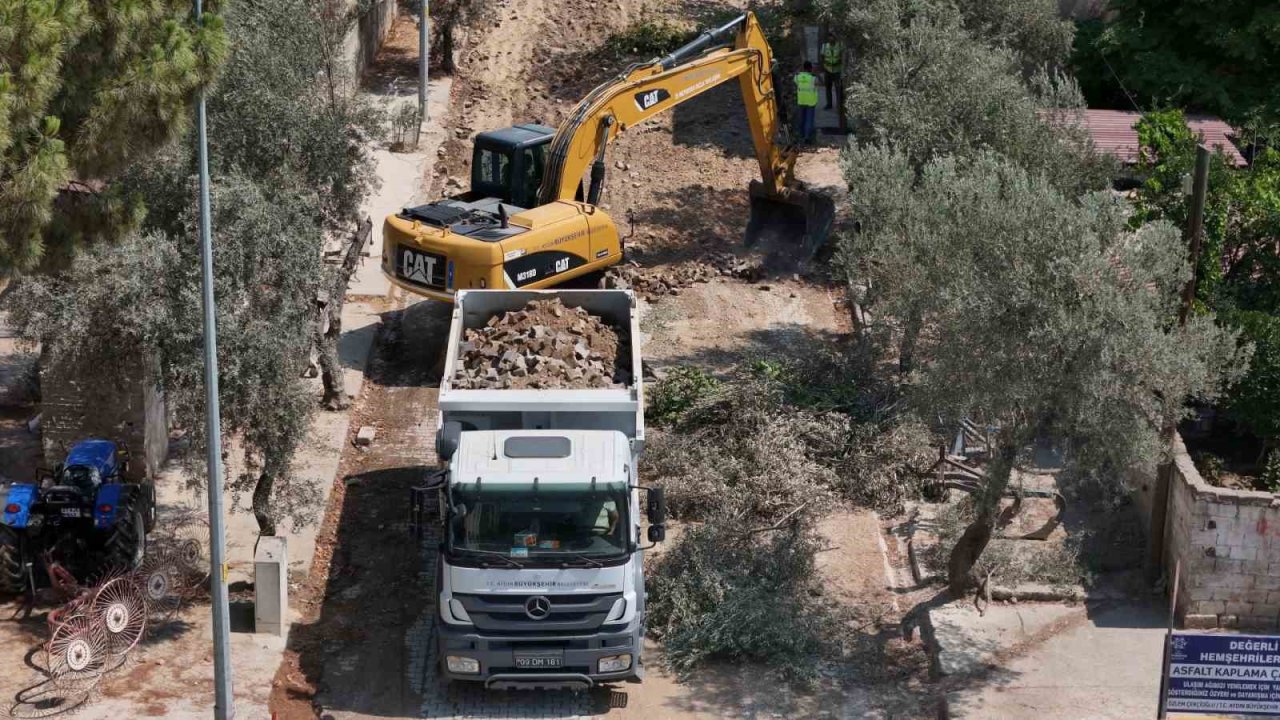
580 657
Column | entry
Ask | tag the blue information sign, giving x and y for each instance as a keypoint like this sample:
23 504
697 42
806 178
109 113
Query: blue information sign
1237 674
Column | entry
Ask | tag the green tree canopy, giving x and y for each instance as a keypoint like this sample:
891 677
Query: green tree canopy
1035 311
1221 57
1239 270
86 89
932 87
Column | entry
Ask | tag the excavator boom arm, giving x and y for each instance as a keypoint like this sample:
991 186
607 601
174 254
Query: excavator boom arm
736 50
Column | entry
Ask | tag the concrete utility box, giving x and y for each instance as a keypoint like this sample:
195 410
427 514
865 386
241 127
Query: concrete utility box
271 586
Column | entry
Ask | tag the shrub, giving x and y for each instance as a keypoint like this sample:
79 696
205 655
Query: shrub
647 38
720 592
1270 478
814 426
673 396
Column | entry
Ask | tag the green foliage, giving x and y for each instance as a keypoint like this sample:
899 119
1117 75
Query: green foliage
87 88
684 387
647 38
1220 57
720 592
1031 29
1210 467
1239 269
1255 401
807 429
289 167
148 300
1168 149
1045 313
1270 478
1057 562
932 88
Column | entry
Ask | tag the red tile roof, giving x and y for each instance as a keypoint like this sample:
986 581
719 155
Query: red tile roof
1113 133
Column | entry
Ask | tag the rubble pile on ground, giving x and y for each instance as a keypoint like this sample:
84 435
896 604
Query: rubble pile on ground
545 345
655 282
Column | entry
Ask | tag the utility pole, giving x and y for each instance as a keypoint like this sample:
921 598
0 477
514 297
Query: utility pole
1191 235
1195 228
424 52
224 704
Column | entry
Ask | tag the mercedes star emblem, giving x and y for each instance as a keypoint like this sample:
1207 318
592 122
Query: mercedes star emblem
537 607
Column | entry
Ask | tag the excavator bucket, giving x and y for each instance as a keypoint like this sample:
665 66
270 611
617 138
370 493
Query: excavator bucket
794 216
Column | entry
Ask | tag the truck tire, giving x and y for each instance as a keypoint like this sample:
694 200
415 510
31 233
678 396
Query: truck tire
12 578
126 543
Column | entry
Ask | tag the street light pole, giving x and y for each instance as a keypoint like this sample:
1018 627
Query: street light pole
424 53
224 705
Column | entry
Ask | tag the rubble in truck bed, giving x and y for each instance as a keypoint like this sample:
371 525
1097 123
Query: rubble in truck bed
545 345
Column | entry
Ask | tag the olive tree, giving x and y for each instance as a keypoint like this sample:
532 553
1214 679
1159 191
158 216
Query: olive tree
1046 315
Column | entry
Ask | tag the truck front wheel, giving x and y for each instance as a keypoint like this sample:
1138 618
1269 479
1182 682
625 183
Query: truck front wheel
12 578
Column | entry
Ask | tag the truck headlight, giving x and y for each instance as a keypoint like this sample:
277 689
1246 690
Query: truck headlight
618 610
471 666
614 663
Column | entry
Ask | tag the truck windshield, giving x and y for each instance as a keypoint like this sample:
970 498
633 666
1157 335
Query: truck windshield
554 524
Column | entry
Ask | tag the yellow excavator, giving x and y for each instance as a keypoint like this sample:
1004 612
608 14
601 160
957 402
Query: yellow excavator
530 221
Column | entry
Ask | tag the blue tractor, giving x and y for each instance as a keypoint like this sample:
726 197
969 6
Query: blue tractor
84 518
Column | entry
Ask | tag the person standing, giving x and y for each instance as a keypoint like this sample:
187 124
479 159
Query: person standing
807 99
833 69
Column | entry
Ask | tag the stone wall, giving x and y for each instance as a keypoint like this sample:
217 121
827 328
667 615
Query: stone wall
1227 543
128 408
366 36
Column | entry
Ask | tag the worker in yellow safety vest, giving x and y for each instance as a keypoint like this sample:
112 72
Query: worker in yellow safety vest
833 69
807 99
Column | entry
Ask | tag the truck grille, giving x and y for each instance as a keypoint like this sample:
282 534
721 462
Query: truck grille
567 613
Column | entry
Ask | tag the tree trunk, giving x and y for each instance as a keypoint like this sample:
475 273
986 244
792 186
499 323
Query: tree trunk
335 386
262 502
907 351
328 333
973 542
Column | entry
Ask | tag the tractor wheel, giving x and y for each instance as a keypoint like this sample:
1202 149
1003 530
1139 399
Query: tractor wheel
12 578
149 491
126 545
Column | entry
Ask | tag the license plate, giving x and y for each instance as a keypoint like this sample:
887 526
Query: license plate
539 661
71 512
420 268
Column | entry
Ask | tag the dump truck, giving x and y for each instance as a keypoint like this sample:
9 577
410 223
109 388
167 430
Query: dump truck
540 562
532 219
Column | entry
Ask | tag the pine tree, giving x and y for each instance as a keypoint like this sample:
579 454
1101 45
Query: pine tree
87 88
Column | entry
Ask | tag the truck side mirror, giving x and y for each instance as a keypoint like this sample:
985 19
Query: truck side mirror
447 439
657 533
657 510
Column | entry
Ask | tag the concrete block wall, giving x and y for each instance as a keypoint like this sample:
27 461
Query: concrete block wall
366 36
78 403
1227 543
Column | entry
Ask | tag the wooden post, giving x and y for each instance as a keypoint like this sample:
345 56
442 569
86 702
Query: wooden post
1194 229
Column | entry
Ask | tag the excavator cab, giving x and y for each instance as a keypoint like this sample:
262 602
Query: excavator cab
508 164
